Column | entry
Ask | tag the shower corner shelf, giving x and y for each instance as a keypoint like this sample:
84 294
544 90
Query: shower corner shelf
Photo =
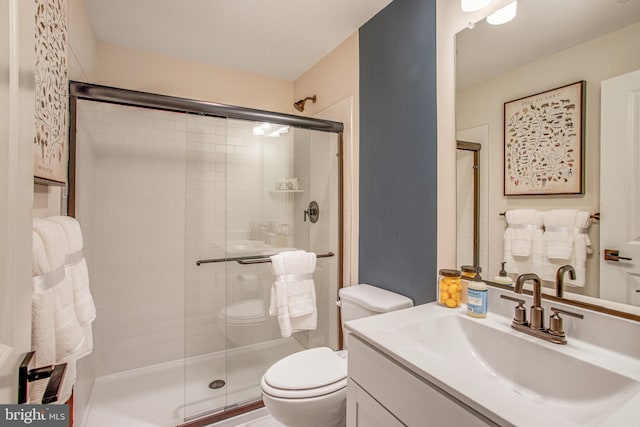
286 191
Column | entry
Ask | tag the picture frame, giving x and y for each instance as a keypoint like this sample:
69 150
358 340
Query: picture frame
544 142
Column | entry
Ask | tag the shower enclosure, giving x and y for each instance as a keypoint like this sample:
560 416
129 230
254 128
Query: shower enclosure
181 203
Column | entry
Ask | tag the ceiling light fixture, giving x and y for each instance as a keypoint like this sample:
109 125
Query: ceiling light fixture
473 5
504 15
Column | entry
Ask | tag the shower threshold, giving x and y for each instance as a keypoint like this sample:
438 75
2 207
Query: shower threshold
229 412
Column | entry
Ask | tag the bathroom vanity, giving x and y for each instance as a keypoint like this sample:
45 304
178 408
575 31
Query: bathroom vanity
430 365
382 392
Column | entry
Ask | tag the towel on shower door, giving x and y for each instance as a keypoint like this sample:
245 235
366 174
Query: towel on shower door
293 294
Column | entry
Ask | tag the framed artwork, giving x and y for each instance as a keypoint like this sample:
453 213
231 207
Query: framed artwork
544 142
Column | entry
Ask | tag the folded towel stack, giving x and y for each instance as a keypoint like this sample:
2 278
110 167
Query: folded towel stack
62 309
293 295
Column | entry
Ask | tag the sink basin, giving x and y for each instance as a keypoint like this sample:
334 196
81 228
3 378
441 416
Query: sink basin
519 379
528 368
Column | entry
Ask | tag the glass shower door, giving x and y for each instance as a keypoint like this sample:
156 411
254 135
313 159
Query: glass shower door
271 182
205 284
260 201
248 187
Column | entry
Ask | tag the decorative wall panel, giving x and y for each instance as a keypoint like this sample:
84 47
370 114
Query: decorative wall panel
52 89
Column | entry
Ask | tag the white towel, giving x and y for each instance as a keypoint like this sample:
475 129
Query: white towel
293 295
581 246
43 338
521 224
69 336
76 268
524 232
559 233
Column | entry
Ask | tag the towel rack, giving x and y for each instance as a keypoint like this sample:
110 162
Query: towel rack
252 259
595 216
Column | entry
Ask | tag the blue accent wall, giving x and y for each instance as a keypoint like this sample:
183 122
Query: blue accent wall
398 150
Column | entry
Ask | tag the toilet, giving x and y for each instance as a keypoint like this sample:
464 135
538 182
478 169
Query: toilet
309 388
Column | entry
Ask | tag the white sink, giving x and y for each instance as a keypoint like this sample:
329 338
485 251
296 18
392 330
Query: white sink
573 387
509 376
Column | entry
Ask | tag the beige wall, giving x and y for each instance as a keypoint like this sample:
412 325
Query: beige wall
82 46
335 81
150 72
594 61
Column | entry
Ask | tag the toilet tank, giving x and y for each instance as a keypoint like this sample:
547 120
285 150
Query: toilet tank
366 300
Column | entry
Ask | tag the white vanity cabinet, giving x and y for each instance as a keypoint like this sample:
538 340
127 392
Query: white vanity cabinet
382 393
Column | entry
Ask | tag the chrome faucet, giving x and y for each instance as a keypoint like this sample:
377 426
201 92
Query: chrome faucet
537 312
560 278
555 333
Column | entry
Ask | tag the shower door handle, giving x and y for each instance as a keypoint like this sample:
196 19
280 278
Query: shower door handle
313 212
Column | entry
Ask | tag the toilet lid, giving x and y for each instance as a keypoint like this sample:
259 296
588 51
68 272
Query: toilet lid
316 368
247 311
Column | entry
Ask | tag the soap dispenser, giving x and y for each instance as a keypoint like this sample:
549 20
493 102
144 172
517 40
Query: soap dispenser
502 277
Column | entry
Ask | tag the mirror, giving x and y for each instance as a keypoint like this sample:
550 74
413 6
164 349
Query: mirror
548 45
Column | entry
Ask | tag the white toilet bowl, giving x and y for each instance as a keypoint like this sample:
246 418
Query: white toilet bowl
309 388
298 396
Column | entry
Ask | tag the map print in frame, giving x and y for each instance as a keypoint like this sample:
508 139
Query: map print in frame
543 143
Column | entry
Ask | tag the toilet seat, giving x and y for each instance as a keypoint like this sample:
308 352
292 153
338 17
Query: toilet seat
309 373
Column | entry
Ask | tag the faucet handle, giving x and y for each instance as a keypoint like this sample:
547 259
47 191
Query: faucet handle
557 311
555 321
518 300
520 316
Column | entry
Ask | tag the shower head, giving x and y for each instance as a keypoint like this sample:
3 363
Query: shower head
300 104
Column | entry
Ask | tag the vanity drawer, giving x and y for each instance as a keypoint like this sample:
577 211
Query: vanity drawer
414 401
364 411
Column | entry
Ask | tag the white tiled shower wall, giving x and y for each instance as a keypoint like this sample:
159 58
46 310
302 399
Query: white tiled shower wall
158 191
138 232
